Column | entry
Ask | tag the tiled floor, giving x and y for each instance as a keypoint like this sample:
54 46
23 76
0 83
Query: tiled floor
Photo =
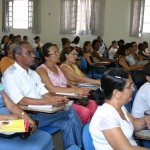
58 144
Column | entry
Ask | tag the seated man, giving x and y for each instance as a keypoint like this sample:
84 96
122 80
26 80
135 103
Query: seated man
10 111
142 99
24 87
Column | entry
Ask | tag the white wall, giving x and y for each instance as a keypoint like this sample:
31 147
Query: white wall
117 20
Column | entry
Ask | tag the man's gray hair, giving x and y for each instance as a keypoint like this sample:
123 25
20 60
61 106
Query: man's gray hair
17 48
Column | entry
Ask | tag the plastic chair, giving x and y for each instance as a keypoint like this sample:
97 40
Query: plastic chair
129 104
86 138
91 71
73 147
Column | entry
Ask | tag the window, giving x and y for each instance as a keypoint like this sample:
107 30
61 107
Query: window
146 21
82 17
19 14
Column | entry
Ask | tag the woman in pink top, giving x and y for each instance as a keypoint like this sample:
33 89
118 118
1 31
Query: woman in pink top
55 81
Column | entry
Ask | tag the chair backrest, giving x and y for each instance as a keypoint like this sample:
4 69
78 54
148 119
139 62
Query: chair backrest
83 64
129 104
86 138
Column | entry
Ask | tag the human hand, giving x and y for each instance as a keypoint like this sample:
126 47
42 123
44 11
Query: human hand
147 120
32 125
82 91
140 66
57 101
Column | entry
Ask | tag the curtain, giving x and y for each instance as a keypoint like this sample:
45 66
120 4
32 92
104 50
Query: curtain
68 16
36 28
97 17
84 14
82 17
137 16
5 15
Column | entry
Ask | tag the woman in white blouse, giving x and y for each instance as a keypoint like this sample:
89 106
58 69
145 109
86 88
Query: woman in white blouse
112 126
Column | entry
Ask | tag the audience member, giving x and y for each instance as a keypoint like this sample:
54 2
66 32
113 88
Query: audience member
11 111
73 74
87 53
124 51
15 39
8 60
55 81
24 87
11 36
25 38
98 56
4 43
76 45
130 58
142 53
142 99
146 46
121 42
113 49
19 38
135 49
103 49
65 43
37 44
111 120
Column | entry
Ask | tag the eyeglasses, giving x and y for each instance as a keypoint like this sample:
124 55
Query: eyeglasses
55 53
130 87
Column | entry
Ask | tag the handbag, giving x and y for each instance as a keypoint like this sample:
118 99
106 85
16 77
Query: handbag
84 101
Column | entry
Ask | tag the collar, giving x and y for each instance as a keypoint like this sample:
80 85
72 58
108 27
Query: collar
21 70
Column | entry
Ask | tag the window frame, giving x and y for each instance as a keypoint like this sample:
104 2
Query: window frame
9 18
145 22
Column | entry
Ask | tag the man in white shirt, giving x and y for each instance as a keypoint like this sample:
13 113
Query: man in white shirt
24 87
142 99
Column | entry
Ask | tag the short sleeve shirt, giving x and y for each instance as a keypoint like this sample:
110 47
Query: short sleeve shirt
19 83
142 101
106 117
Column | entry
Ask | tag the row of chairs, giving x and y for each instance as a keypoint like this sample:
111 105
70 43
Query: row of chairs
96 72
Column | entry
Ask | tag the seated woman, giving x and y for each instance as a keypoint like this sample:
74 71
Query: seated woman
87 52
95 52
111 118
134 54
11 111
55 81
8 59
132 59
124 51
65 43
143 54
4 43
73 74
89 58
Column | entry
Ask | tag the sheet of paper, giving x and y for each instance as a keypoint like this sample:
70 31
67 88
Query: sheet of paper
41 106
87 84
143 133
67 94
